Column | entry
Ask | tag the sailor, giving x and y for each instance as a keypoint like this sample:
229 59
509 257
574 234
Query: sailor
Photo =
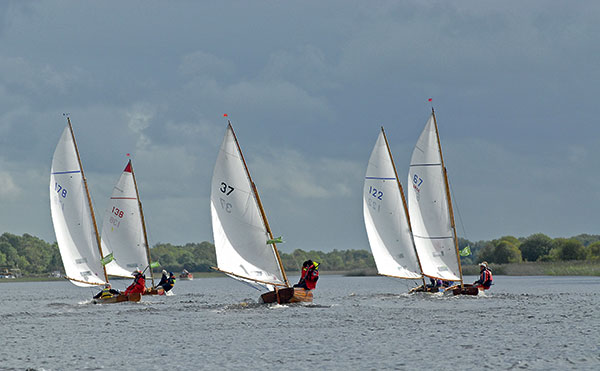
107 292
434 282
138 285
167 281
309 275
485 277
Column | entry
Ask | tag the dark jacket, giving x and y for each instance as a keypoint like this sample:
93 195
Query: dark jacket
167 282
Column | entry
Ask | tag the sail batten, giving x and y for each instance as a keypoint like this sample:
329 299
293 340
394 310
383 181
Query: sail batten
429 209
72 216
240 230
386 222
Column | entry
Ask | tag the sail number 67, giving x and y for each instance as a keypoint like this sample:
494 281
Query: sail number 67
417 180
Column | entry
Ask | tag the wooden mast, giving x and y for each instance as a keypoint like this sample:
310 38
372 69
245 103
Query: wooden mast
262 210
450 210
88 197
403 204
137 194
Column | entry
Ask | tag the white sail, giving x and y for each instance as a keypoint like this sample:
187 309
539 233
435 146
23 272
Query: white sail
428 208
72 217
385 217
239 230
122 229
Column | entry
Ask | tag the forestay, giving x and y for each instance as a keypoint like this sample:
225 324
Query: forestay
239 230
122 229
72 217
385 217
428 208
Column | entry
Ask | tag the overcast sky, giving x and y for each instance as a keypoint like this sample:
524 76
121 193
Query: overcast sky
307 84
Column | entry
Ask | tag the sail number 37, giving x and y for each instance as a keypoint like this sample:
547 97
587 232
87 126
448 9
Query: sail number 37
227 190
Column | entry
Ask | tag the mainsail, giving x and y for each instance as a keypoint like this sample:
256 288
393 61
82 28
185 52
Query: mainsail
123 231
385 216
430 209
72 215
240 229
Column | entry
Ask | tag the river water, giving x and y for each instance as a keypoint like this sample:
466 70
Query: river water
531 323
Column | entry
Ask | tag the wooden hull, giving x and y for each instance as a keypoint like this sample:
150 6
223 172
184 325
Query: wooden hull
287 295
187 277
426 289
154 291
465 290
119 299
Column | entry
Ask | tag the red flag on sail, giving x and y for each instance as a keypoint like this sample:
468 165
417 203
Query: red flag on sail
128 167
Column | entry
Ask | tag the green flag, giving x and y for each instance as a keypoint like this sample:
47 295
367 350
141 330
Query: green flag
154 264
466 251
107 259
275 240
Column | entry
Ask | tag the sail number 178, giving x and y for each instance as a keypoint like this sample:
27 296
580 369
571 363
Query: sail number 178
60 190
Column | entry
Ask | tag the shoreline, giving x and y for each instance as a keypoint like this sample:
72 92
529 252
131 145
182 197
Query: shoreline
572 268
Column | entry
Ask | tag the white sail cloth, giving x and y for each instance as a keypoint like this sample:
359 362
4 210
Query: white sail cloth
385 217
239 231
122 230
72 217
428 208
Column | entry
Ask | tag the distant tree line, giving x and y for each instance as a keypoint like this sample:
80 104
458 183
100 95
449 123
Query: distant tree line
200 257
537 247
28 254
33 256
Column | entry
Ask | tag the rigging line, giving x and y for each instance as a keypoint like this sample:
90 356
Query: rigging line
462 224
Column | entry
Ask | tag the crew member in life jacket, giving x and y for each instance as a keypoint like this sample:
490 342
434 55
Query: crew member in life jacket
167 281
138 285
107 292
309 275
485 277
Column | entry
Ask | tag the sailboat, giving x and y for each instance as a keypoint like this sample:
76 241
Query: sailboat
124 238
386 216
73 217
244 244
431 213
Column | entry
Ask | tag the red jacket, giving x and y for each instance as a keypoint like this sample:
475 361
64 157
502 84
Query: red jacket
138 285
485 279
311 275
